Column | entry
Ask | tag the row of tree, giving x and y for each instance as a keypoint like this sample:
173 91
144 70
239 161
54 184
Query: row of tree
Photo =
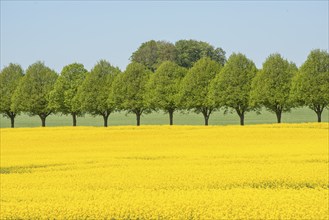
190 75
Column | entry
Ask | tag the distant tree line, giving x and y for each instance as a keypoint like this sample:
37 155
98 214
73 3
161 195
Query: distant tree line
186 76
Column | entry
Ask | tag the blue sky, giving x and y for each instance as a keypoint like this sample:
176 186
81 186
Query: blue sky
59 32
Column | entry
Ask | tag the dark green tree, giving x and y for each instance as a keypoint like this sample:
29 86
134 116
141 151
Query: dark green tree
166 52
64 97
190 51
195 87
32 93
163 88
130 88
271 86
152 53
9 80
310 86
232 86
95 90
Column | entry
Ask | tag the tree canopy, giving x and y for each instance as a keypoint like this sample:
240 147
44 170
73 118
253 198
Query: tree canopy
94 91
152 53
310 87
64 97
187 76
32 93
190 51
195 87
184 52
130 88
163 88
10 77
271 86
231 87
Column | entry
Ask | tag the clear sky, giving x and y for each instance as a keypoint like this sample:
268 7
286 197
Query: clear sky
59 32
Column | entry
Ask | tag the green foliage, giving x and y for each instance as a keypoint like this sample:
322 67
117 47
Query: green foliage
64 97
9 80
152 53
203 88
32 94
271 86
117 93
310 86
164 85
185 53
166 52
130 88
311 83
190 51
231 87
195 87
94 91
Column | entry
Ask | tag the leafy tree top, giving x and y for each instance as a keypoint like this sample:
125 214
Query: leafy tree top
95 90
152 53
32 94
64 96
195 88
129 89
310 86
271 86
9 80
190 51
232 86
164 86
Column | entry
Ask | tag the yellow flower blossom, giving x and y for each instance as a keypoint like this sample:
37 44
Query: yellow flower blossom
163 172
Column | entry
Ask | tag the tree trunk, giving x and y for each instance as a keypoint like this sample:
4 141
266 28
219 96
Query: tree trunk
138 118
43 117
43 121
206 115
318 110
74 117
241 119
12 121
105 117
278 115
206 119
171 117
318 113
12 116
240 112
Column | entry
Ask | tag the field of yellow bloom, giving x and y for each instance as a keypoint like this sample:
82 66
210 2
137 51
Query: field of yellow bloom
162 172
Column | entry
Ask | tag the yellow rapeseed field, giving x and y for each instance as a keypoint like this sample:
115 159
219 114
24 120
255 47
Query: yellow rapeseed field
163 172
